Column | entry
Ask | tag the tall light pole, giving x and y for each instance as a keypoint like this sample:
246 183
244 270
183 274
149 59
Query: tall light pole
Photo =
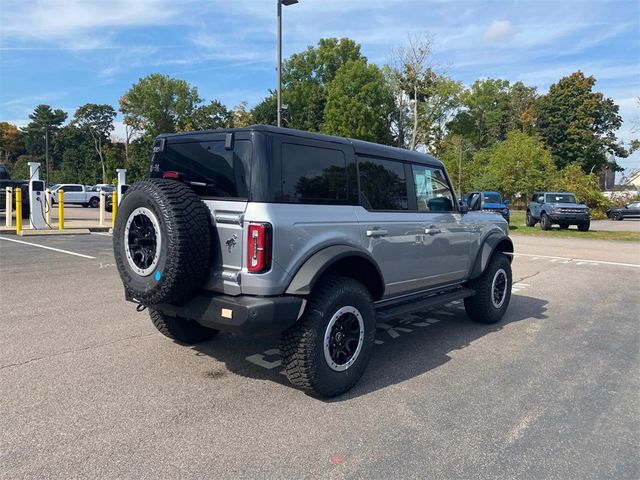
286 3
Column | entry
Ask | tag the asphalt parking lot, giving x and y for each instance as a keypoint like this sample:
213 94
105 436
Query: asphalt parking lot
88 388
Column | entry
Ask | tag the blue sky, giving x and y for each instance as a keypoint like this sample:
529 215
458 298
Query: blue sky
69 52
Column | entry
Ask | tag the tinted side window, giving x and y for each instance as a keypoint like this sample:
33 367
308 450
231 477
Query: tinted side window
72 188
313 175
383 184
209 168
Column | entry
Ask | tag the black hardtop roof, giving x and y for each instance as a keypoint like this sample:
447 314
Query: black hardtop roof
360 146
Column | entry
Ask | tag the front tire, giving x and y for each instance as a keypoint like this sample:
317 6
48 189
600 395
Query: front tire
328 349
584 227
181 330
493 291
531 222
545 222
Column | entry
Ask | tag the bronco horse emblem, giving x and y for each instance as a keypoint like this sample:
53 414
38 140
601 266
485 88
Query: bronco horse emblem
230 243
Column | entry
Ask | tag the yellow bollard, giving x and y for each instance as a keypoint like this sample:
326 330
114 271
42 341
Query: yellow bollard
9 207
47 194
114 209
18 211
60 209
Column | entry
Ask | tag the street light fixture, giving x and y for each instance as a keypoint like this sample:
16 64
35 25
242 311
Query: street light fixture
286 3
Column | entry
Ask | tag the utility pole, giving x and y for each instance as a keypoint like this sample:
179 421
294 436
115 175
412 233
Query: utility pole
46 151
280 3
460 170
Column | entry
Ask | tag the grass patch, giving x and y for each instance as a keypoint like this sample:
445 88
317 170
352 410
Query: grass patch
519 227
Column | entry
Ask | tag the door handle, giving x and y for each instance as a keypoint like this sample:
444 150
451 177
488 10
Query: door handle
432 230
376 232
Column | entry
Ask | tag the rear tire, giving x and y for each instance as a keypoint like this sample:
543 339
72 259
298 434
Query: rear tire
531 222
181 330
493 291
328 349
616 217
94 202
584 227
545 222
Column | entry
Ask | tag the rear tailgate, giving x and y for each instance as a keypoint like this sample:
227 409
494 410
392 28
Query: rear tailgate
227 246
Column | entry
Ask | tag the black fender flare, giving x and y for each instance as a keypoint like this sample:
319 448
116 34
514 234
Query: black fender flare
494 241
313 268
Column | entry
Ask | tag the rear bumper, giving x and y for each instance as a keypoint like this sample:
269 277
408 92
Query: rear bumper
243 314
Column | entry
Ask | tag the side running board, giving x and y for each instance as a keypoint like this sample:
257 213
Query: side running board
422 303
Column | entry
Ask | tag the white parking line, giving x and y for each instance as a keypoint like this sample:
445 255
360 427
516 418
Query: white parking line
47 248
569 259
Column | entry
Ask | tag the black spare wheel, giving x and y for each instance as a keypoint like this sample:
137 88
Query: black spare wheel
162 241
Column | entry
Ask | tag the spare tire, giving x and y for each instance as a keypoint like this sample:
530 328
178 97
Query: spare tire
162 241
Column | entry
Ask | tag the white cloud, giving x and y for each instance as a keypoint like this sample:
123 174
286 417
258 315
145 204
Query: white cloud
499 31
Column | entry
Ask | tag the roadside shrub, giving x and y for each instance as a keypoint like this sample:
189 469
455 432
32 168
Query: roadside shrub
586 188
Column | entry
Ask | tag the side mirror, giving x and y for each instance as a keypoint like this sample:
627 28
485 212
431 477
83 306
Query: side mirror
507 202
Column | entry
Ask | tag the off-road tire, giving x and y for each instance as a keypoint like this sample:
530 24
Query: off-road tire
94 202
181 330
584 226
616 217
185 247
480 307
531 222
545 222
302 345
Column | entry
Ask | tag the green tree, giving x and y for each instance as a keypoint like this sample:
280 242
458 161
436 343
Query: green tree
240 116
265 112
11 143
486 113
44 124
577 124
359 103
97 121
305 79
586 187
424 98
210 117
74 157
521 164
160 104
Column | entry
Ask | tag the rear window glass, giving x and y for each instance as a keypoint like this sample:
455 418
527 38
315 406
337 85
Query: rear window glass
313 175
383 184
210 169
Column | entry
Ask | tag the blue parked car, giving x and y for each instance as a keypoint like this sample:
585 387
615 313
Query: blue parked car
489 202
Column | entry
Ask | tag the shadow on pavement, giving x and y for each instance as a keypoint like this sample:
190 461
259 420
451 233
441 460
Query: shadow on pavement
406 347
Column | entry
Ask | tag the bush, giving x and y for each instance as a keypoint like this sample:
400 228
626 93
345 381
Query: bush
586 188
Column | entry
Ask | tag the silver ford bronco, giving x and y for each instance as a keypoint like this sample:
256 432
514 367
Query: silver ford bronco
265 230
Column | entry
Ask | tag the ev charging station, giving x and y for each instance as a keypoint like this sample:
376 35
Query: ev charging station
122 183
36 198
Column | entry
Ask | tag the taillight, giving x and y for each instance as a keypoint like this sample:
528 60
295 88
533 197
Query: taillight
259 247
172 175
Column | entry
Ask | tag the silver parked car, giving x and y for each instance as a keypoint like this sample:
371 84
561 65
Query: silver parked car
268 230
